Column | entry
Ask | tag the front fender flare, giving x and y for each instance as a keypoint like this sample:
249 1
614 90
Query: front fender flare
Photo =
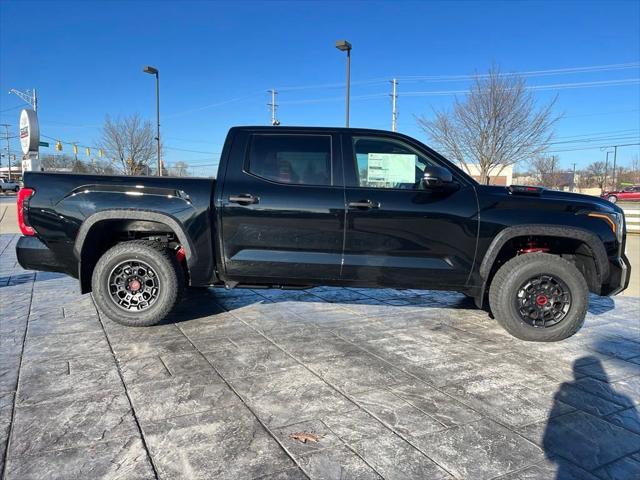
590 239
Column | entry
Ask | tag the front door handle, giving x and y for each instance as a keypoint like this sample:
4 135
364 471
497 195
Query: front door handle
365 204
243 199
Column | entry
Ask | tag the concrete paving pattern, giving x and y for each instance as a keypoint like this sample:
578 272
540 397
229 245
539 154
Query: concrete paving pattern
323 384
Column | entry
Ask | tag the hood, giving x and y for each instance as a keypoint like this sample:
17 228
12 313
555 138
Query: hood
546 195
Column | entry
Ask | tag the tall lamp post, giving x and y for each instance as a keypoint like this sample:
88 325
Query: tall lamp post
345 46
154 71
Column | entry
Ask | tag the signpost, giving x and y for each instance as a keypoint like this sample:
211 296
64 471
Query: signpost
30 140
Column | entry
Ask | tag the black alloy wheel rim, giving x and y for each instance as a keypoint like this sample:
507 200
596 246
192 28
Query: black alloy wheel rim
543 301
133 285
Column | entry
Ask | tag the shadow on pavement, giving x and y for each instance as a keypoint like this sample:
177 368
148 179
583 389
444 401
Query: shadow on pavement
585 437
28 277
599 305
201 302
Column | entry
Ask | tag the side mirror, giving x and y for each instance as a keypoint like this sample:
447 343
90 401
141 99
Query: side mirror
436 177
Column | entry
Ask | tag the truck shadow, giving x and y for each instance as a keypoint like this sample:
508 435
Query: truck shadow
28 277
203 302
599 305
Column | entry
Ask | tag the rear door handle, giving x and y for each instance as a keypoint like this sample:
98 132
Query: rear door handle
243 199
365 204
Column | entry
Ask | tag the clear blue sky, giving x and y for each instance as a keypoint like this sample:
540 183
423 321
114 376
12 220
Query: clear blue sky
218 59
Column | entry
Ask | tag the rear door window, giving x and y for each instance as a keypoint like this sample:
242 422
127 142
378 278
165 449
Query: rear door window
291 159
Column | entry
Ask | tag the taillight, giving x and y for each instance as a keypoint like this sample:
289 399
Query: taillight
23 196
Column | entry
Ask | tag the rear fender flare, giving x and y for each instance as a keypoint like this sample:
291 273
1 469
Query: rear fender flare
90 222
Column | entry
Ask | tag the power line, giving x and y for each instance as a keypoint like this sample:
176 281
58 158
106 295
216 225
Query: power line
211 105
11 108
191 151
557 86
333 99
595 147
592 140
374 81
531 73
65 142
450 78
188 140
615 112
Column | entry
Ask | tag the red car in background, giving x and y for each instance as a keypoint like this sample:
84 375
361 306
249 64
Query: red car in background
626 194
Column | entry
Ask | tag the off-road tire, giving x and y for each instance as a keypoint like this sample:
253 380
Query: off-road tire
161 260
513 274
612 198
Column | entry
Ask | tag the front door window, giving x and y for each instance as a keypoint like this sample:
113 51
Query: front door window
388 164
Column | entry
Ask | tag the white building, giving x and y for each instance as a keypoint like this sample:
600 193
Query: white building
498 175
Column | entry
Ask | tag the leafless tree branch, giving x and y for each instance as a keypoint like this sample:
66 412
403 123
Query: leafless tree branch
129 143
496 125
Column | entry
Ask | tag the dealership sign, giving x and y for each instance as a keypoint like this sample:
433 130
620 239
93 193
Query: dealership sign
29 131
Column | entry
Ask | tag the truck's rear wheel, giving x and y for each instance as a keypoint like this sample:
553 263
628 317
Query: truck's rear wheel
539 297
137 283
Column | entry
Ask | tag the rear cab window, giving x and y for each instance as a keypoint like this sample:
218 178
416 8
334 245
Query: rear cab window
295 159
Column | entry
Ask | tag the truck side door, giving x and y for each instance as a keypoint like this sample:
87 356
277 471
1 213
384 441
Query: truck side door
398 232
282 208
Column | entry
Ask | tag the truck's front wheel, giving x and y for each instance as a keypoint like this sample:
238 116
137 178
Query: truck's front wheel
137 283
539 297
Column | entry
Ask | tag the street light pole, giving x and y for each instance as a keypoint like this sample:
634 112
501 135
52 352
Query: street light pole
154 71
345 46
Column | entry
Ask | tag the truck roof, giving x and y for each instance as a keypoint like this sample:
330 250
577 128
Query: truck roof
314 129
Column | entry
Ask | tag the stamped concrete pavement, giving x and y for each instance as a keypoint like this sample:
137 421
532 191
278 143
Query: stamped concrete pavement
322 384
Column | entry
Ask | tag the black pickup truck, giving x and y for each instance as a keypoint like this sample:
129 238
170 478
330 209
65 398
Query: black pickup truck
296 207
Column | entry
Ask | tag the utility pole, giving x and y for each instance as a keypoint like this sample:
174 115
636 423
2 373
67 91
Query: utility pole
614 178
615 156
29 96
274 106
606 169
394 104
573 180
6 137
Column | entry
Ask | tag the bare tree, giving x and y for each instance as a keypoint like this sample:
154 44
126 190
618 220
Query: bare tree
635 170
57 162
180 169
546 170
68 163
498 124
597 174
129 143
